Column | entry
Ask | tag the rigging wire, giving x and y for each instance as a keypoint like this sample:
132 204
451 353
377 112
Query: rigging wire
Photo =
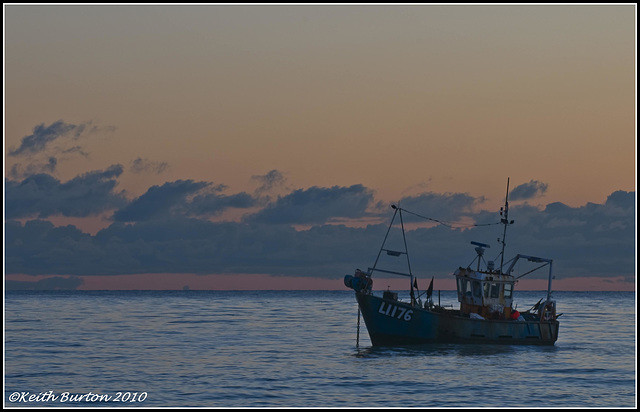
451 225
533 270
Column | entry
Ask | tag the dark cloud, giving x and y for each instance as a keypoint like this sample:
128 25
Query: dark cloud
269 181
593 240
528 190
50 166
43 195
76 149
622 199
316 205
181 198
171 233
187 245
587 240
18 171
43 136
141 165
443 207
159 201
211 204
41 151
41 248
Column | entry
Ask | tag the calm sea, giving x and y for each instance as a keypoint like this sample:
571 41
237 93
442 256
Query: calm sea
298 349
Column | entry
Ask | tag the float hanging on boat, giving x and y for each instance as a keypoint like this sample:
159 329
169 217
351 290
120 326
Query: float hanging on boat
485 293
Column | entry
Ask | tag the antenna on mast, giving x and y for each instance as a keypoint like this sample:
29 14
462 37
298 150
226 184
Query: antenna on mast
504 212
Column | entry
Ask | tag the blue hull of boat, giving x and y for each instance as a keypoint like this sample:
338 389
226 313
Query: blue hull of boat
391 322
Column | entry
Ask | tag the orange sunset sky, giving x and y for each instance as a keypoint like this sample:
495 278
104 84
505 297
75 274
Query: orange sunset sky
260 146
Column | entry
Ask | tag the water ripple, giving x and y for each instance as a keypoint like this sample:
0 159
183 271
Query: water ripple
297 349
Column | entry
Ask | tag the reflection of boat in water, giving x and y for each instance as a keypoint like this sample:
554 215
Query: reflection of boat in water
485 293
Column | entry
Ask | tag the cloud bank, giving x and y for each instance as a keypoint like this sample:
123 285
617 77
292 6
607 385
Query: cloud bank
178 226
43 195
182 198
168 229
316 205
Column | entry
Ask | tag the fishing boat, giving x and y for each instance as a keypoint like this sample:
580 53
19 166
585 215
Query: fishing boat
486 314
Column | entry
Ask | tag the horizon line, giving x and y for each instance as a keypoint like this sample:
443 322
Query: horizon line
264 282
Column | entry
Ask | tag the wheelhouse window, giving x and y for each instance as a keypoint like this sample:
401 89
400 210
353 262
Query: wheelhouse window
495 290
460 286
464 287
508 288
477 289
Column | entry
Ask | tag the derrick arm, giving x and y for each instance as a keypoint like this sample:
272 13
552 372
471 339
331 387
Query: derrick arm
535 259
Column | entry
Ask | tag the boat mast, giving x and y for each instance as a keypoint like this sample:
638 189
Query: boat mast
504 212
407 253
395 211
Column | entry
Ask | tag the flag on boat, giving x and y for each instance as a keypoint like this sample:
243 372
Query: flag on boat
430 290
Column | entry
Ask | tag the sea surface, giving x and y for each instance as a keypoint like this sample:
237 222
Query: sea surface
298 349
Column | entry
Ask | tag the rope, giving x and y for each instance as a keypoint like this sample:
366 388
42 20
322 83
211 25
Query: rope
532 270
451 225
358 330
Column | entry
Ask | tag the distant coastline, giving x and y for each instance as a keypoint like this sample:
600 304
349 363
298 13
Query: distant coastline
249 282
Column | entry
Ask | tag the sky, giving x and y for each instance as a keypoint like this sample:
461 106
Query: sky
261 146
